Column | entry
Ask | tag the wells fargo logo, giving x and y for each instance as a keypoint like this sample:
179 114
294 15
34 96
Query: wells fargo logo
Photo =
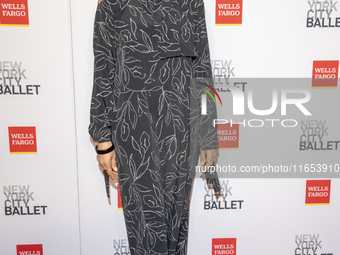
228 136
228 12
223 246
30 249
325 74
318 192
22 140
14 13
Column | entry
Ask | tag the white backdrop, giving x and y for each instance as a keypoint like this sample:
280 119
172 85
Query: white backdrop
45 52
56 52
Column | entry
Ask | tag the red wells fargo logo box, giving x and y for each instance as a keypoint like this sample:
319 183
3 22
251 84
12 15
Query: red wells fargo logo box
14 13
22 140
318 192
228 13
325 74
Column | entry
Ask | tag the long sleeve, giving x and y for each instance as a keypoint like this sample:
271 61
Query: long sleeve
100 127
203 75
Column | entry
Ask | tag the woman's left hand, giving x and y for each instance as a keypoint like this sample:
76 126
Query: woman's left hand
208 157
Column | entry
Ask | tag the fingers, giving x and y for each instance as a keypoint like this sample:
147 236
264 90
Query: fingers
113 163
218 194
203 161
113 175
208 157
108 163
105 160
114 167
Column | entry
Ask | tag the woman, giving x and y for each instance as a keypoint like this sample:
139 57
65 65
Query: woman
145 113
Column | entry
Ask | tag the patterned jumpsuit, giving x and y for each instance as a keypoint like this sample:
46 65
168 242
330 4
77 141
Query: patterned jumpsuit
149 55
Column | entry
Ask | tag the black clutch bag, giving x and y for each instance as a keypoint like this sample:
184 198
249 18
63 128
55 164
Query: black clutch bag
211 177
107 183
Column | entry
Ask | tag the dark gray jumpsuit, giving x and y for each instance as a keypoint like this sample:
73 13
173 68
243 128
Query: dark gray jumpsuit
148 57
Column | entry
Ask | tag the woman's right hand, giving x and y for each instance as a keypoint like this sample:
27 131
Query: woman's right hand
108 161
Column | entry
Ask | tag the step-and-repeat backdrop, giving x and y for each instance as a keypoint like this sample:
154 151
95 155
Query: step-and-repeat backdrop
275 67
